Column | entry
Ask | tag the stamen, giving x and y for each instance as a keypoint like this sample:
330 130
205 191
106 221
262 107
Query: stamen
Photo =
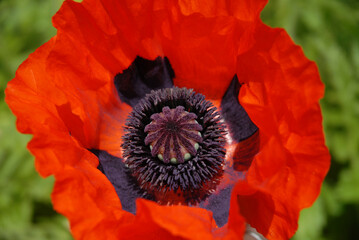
174 146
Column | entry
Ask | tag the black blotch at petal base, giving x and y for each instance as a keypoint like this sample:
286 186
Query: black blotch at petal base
141 77
219 204
240 125
117 174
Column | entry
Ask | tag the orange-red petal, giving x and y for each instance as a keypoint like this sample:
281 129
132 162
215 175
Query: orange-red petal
64 95
281 96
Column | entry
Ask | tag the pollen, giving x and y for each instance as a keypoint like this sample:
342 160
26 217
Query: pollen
173 135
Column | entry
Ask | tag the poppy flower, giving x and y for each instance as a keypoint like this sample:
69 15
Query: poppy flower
173 119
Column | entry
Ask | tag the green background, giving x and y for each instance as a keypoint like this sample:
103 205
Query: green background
328 31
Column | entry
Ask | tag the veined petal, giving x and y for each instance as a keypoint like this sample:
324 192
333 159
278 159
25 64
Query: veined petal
65 95
281 97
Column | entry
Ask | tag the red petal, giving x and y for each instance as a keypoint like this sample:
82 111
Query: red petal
245 152
281 96
169 222
243 10
67 86
86 197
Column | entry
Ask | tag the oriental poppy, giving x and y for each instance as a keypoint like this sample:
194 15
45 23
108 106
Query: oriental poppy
173 119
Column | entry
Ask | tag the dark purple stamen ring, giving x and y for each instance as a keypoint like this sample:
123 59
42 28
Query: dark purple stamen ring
174 146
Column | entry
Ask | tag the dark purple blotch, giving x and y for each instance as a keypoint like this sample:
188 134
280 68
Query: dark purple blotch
141 77
121 180
239 124
219 204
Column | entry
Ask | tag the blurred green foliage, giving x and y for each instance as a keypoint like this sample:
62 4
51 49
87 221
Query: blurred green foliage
25 206
326 29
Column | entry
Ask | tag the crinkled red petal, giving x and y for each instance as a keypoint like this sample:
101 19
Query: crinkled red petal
64 95
281 96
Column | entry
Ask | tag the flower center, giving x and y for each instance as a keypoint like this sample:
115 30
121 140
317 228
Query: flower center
173 135
174 146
